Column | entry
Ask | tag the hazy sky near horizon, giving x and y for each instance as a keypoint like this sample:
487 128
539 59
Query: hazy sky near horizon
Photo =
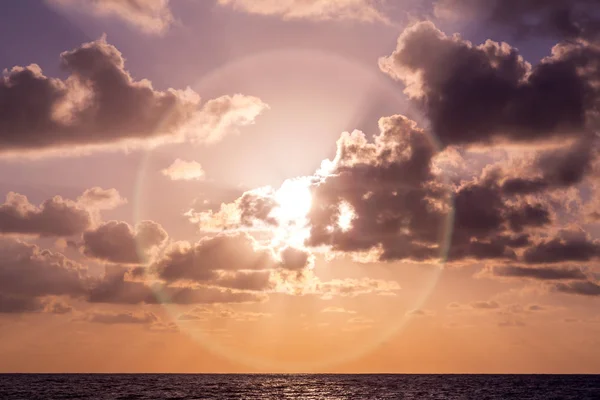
300 185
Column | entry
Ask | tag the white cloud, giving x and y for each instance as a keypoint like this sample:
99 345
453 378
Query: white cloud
182 170
319 10
150 16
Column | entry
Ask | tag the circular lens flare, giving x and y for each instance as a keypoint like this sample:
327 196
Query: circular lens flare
293 203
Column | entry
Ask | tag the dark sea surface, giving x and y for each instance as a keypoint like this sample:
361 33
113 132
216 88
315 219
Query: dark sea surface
322 387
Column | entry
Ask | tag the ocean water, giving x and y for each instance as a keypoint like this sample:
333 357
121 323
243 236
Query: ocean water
321 387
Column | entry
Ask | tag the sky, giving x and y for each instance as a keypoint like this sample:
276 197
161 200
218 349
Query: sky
347 186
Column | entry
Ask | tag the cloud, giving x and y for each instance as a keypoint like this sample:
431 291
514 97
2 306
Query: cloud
338 310
475 306
404 210
236 261
29 275
245 280
561 18
204 313
121 318
222 116
538 273
99 104
182 170
399 206
54 217
389 187
360 321
57 306
295 259
17 305
28 271
227 217
353 288
488 93
119 291
117 288
536 307
486 226
568 246
555 169
511 323
118 242
233 261
101 199
318 10
253 208
485 305
420 313
199 262
150 16
581 288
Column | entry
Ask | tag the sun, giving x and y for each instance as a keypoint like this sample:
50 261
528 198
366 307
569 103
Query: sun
293 203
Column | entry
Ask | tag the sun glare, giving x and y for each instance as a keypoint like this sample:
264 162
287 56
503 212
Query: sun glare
346 215
294 200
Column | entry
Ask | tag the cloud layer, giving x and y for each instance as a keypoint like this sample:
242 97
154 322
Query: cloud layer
100 104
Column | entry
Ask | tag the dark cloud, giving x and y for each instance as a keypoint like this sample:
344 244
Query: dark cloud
54 217
420 313
540 273
118 242
489 92
389 188
582 288
28 275
121 318
560 18
255 207
555 169
28 271
99 103
568 246
245 280
17 305
294 259
486 226
199 262
536 307
485 305
116 289
528 215
401 208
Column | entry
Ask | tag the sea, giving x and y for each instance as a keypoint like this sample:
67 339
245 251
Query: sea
302 386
